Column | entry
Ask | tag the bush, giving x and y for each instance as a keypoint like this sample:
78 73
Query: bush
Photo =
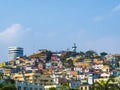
52 88
9 87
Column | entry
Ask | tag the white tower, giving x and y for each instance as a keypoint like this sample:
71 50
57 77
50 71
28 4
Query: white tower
74 47
14 52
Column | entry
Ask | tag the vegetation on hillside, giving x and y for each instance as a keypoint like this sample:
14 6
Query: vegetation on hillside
7 83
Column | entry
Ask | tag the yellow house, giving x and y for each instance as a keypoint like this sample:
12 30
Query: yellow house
105 68
34 78
2 64
77 64
19 77
7 72
97 61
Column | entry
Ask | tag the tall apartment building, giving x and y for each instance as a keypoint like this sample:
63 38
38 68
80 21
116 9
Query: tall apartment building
14 52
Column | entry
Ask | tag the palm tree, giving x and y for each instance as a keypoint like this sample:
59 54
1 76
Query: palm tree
105 85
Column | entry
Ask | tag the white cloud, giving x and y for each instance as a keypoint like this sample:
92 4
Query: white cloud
117 8
98 18
12 33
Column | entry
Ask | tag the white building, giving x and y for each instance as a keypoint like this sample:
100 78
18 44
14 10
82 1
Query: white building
14 52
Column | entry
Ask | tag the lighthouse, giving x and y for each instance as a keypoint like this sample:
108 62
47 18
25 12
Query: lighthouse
74 48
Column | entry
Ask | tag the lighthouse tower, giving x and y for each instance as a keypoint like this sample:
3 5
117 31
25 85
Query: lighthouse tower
74 48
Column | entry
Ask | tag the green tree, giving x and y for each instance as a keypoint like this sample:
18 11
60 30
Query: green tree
8 84
70 63
1 75
90 54
105 85
9 87
103 54
64 86
82 54
48 54
63 60
8 80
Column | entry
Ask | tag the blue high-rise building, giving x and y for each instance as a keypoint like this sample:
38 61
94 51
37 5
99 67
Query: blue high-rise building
14 52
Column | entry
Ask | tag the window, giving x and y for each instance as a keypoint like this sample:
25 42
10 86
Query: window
85 88
19 88
81 88
45 80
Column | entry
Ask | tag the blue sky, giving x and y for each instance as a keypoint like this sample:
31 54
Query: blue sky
57 24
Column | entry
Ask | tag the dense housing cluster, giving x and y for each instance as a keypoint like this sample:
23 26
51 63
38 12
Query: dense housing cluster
45 69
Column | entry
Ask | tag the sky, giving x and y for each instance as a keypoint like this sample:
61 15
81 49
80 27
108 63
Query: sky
57 24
